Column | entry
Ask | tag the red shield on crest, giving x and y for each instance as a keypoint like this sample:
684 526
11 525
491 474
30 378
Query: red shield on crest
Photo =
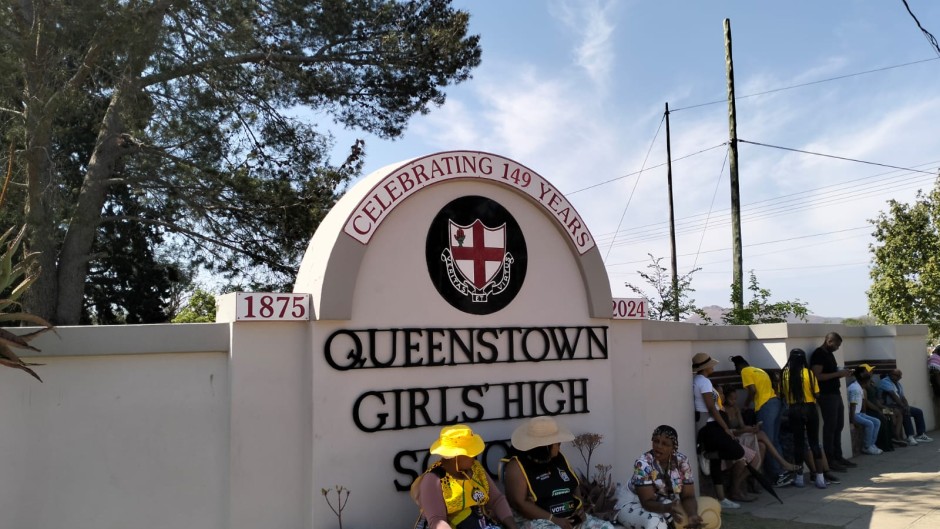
478 251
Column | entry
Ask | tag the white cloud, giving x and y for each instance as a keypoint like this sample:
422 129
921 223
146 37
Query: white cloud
592 22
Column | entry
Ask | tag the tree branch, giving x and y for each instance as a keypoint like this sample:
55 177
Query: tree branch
176 228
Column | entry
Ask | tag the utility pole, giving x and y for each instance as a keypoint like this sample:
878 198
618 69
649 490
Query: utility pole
738 266
672 220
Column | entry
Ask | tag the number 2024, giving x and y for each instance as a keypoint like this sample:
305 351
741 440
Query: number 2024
629 308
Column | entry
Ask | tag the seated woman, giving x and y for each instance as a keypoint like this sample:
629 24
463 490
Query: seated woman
540 484
665 490
890 422
453 491
715 436
751 436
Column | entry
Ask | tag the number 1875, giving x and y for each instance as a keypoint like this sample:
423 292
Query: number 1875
274 307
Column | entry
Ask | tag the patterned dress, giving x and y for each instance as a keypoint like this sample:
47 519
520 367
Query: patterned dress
667 485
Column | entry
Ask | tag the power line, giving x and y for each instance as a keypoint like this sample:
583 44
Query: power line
783 205
806 267
791 248
710 206
569 193
771 91
799 237
630 198
835 157
929 36
776 208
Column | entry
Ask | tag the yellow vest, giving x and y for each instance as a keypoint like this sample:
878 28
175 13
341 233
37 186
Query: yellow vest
461 495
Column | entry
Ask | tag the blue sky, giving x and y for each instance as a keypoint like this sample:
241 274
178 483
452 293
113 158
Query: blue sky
575 89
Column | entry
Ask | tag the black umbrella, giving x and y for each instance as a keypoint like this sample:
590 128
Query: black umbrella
764 482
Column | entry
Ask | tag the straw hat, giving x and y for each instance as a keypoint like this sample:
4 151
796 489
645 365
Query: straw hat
701 361
540 431
457 440
710 511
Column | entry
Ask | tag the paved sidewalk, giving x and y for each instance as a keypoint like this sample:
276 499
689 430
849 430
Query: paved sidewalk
894 490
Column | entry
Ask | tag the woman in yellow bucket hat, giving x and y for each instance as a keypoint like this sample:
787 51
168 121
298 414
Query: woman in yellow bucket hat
456 492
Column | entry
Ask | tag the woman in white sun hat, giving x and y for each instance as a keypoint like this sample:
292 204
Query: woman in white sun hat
540 484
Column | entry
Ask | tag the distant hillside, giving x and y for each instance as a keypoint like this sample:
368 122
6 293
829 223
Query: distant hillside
715 312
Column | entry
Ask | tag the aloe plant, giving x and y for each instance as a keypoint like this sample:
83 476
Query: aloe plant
15 280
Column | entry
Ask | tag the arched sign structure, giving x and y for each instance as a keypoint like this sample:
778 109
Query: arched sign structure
330 276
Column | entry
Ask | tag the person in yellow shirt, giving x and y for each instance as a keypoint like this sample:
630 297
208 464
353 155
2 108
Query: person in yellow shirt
799 387
768 407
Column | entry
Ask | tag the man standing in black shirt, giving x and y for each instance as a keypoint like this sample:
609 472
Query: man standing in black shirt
826 369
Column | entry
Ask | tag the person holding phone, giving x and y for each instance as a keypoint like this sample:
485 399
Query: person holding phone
831 407
541 487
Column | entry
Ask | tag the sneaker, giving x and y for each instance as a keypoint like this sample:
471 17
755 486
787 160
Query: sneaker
728 504
820 481
871 450
911 441
922 438
846 463
798 481
831 478
784 479
833 465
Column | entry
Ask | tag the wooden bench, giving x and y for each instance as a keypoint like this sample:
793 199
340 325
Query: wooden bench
882 367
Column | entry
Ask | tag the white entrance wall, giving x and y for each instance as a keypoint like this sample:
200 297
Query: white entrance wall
211 425
241 424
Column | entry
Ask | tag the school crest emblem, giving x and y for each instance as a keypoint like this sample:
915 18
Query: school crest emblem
476 255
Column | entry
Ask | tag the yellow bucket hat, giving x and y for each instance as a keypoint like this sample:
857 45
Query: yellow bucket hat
457 440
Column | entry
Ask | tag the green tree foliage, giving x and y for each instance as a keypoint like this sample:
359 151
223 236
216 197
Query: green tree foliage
200 308
760 309
662 300
193 123
905 270
859 322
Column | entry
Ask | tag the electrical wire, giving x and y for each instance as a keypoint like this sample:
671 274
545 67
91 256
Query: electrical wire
856 160
710 206
928 35
630 198
763 243
674 160
786 204
801 85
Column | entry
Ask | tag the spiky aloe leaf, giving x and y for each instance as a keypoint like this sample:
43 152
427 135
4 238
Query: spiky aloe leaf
6 235
17 279
27 317
6 260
